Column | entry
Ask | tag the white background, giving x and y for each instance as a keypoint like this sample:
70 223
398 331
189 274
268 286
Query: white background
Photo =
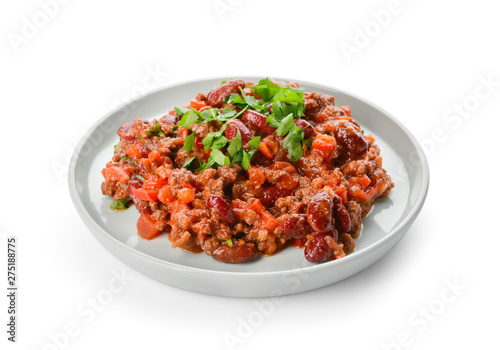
70 68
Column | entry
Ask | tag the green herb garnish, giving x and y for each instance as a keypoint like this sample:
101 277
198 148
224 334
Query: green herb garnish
180 111
128 160
121 203
192 164
140 177
155 130
189 142
188 119
235 144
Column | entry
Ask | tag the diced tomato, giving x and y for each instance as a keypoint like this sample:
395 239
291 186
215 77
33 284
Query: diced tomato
182 132
163 172
119 173
186 184
144 165
257 207
154 184
186 195
146 227
165 195
362 180
155 155
269 222
197 104
134 152
324 142
198 142
342 192
145 195
266 152
347 110
256 176
358 195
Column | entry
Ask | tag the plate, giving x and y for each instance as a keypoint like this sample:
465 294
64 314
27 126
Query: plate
384 226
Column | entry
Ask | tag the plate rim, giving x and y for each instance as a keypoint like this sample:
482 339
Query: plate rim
96 229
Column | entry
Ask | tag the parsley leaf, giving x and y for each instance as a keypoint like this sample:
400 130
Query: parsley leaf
235 144
218 143
189 142
116 147
128 160
293 143
192 164
181 110
254 143
211 137
210 114
218 157
140 177
245 162
266 89
286 125
155 130
188 119
121 203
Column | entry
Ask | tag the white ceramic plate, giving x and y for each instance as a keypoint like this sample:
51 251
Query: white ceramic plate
266 276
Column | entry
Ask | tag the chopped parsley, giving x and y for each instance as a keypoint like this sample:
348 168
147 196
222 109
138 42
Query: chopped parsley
189 142
180 111
287 105
140 177
116 147
121 203
192 164
188 118
128 160
155 130
229 242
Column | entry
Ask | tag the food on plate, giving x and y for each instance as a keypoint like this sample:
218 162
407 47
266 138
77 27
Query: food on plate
249 169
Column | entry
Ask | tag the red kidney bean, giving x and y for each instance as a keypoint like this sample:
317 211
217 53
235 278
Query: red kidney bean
123 132
236 253
222 207
342 218
349 140
171 119
295 225
198 142
304 124
257 120
232 130
142 207
216 96
317 248
143 149
272 193
320 212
